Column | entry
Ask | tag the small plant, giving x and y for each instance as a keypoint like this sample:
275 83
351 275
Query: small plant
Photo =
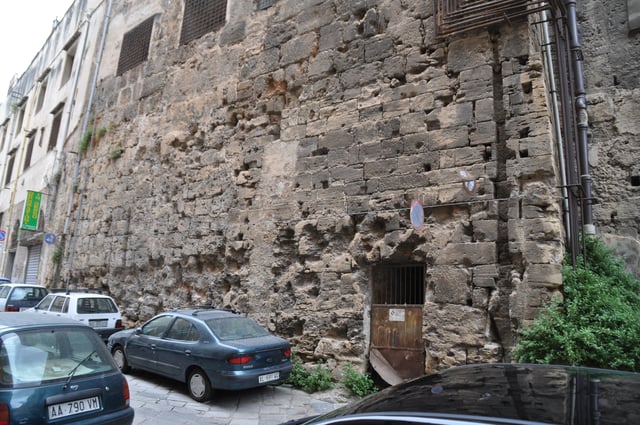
101 132
57 254
360 384
84 142
311 381
115 153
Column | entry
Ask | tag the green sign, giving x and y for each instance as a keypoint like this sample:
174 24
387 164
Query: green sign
31 210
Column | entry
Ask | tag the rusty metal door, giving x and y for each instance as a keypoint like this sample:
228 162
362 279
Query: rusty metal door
397 348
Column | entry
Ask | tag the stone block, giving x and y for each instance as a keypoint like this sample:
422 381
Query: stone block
543 275
452 137
298 48
468 254
450 285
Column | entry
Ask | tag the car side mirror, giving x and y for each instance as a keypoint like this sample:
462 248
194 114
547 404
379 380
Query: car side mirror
138 331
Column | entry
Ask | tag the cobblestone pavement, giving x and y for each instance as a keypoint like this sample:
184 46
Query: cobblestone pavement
159 401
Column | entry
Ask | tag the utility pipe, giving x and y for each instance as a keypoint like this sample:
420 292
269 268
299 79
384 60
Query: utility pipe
582 119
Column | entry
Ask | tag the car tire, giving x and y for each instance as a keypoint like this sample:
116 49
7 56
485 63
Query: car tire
121 359
198 385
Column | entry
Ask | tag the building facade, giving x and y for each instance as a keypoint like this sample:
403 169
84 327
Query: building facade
378 181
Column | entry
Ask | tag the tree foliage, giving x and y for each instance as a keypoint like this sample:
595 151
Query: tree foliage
598 322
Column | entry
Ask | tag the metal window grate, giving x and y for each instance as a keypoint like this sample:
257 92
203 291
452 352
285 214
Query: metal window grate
398 284
201 17
135 46
265 4
454 16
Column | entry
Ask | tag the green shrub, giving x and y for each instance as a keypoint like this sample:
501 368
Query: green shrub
598 322
360 384
311 381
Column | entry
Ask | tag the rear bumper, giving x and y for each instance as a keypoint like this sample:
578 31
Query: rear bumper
121 417
245 379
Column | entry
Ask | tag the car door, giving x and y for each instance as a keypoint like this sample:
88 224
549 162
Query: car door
141 346
174 351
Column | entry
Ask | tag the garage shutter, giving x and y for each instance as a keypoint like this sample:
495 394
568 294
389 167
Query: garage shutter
33 263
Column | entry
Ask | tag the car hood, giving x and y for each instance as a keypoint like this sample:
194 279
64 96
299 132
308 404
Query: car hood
551 394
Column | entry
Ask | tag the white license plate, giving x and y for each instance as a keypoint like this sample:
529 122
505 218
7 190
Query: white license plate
269 377
98 323
74 407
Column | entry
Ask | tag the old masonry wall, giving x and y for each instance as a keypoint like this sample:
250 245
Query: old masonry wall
269 167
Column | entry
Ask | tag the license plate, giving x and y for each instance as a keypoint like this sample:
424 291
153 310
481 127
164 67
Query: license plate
269 377
74 407
98 323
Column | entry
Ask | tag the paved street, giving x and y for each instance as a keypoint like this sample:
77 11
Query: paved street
159 401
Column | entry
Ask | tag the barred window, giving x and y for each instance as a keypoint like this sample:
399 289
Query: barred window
135 46
398 284
202 17
265 4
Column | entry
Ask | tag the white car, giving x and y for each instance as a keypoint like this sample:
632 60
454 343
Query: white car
20 296
96 310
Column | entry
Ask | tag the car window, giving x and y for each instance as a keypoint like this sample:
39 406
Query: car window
46 302
4 291
26 293
183 330
157 326
37 356
58 304
90 305
235 328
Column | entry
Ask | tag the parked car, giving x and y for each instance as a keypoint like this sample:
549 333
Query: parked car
58 370
96 310
499 394
20 296
205 348
5 280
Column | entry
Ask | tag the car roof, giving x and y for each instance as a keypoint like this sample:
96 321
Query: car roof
203 313
80 294
9 321
506 390
23 285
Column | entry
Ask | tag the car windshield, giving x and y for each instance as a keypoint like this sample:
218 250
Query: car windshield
37 356
229 328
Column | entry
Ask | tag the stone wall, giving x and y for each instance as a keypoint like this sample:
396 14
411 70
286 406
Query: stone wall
269 167
612 76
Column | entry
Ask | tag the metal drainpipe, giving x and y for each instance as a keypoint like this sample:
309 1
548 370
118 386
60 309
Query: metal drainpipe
546 39
85 125
583 120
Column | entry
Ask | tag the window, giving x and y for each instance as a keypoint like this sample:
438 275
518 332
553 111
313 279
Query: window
398 284
41 94
71 48
633 12
183 330
20 118
31 138
4 137
202 17
265 4
135 47
55 126
10 163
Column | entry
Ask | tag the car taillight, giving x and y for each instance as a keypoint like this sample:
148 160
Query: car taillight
287 352
240 359
125 392
11 308
4 414
119 324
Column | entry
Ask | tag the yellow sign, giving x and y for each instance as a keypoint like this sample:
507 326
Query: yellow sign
31 210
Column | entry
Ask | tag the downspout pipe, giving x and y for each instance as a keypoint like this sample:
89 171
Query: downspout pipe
582 119
553 92
85 125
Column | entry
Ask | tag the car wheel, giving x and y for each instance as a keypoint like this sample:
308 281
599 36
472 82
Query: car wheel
121 359
198 385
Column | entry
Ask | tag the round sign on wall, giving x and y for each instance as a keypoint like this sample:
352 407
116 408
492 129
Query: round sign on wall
3 235
417 214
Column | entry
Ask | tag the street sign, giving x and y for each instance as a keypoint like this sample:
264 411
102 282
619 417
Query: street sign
417 214
50 238
3 235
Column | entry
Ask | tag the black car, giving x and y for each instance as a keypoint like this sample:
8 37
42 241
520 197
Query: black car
205 348
500 394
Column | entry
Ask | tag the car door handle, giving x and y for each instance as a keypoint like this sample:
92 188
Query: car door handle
153 346
187 352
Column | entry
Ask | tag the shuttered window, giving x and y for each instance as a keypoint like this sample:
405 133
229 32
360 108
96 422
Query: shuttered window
202 17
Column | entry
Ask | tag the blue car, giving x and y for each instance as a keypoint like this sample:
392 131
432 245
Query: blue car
57 370
207 349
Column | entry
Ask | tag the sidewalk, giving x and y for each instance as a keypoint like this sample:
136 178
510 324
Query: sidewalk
159 401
